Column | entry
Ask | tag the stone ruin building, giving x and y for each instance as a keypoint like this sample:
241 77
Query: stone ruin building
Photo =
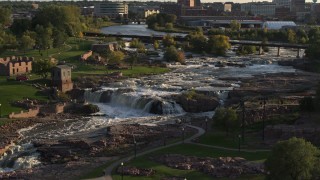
12 66
61 78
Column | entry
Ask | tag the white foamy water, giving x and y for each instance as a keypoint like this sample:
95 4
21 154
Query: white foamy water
147 100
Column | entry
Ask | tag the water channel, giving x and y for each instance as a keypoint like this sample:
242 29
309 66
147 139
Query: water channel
132 100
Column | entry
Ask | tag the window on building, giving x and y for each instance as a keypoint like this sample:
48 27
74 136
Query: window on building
27 69
20 63
17 70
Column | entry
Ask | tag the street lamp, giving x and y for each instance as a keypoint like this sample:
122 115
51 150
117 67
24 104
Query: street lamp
263 103
122 170
243 115
206 125
0 110
135 148
239 145
182 135
164 138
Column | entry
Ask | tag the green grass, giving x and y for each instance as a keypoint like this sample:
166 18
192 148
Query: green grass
190 150
4 121
97 172
135 72
12 91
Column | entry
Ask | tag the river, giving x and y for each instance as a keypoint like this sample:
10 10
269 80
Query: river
137 99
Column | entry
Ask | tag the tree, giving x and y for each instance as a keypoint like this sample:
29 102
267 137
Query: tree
218 44
59 37
135 43
42 67
172 54
133 59
156 44
168 41
169 26
291 36
198 42
292 159
115 57
226 118
235 25
43 40
26 42
5 16
307 104
19 26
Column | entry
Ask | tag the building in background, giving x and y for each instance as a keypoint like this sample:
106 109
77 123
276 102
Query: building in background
111 9
187 3
149 12
13 66
227 7
282 3
259 8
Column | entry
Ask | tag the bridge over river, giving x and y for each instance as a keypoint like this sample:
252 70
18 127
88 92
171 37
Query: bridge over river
182 37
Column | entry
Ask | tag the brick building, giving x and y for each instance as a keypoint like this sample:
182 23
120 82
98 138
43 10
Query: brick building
61 78
12 66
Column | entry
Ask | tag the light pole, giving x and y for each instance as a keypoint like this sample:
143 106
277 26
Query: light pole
122 170
206 125
243 115
0 110
239 145
263 103
164 138
182 135
135 148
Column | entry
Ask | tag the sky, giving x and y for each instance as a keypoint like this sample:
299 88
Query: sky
204 1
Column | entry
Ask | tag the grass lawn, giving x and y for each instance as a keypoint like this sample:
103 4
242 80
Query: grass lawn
191 150
13 91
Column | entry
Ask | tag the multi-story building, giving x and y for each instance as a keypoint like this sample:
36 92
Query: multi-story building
171 8
12 66
111 9
282 3
259 8
187 3
227 7
298 5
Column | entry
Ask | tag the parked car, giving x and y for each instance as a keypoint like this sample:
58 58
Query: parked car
22 78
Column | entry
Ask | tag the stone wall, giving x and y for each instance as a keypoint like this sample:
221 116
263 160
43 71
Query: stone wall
30 113
86 55
59 108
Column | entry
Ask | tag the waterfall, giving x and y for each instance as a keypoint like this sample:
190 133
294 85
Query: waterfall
19 157
92 96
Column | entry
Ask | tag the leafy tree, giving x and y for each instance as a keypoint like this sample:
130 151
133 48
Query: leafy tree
235 25
59 38
226 118
19 26
307 104
26 42
292 159
246 49
42 67
43 40
172 54
5 16
168 41
198 42
291 36
135 43
133 59
156 44
218 44
169 26
115 57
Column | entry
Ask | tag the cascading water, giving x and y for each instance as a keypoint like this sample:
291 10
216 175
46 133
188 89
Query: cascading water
92 96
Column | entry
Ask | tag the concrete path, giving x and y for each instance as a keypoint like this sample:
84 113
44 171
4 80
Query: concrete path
108 171
200 132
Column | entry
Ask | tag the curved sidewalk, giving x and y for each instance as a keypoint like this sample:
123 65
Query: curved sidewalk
108 171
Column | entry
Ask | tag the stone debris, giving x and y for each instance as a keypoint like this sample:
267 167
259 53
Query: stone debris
134 171
230 167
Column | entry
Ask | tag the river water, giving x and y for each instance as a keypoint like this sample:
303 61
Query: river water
147 99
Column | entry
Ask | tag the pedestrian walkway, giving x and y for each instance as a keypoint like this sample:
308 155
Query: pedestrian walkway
200 132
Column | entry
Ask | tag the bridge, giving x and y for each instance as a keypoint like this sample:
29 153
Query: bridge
270 44
260 44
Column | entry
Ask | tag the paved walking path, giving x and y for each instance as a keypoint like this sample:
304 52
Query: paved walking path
200 132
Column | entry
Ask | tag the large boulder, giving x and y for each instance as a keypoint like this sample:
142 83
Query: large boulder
197 102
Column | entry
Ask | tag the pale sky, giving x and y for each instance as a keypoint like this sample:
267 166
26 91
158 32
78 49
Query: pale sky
205 1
